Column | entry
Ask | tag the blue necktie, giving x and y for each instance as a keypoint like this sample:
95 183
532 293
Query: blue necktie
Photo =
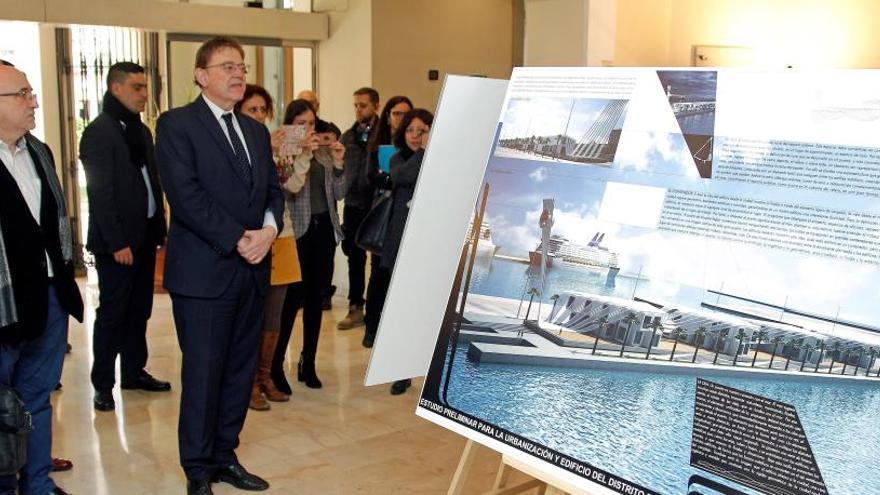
241 158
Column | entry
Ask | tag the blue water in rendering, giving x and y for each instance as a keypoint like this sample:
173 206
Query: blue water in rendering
510 279
638 425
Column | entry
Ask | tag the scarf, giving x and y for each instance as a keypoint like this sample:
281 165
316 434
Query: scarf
134 135
8 313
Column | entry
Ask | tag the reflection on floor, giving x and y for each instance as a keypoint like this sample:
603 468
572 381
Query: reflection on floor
342 439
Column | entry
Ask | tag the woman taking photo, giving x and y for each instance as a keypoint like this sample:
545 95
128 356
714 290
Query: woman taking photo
389 120
410 139
257 104
314 177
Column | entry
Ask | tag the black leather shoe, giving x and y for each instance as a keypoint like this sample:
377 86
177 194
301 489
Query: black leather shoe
146 382
400 386
237 476
104 401
368 340
59 491
198 487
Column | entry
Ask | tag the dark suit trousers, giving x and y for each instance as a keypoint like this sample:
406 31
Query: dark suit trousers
33 369
124 306
352 217
218 339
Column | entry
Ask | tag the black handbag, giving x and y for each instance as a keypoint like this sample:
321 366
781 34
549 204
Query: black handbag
15 425
371 234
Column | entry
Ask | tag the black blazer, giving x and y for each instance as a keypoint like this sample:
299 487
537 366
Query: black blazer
212 202
404 175
117 192
27 243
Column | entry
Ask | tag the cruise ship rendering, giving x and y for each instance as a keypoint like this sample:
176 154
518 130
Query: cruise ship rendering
485 244
594 255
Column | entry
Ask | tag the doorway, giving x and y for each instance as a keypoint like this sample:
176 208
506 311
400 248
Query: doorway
85 54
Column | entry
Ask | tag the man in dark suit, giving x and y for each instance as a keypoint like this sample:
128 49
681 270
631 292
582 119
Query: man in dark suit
126 224
37 287
226 206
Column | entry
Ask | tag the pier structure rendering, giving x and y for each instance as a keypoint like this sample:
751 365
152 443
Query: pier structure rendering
587 330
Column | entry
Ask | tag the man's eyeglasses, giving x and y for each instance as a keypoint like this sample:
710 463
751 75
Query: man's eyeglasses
24 93
231 68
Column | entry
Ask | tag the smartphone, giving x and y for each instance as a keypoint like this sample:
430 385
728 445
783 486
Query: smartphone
294 135
326 138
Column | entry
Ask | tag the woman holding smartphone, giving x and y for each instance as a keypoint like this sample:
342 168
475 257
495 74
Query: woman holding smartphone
257 104
313 175
410 139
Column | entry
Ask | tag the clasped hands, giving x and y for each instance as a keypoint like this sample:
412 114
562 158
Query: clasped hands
255 244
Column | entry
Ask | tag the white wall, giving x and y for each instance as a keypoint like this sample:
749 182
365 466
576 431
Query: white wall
302 70
555 33
460 37
601 32
807 34
345 60
570 32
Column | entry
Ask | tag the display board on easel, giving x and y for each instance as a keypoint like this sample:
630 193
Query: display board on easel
671 285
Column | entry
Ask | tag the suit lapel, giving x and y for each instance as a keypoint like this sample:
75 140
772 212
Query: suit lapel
220 139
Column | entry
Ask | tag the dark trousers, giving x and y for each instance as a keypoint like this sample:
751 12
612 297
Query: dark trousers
218 339
352 217
315 249
380 278
125 302
33 369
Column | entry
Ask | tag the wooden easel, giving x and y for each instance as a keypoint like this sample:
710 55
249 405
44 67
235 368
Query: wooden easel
543 481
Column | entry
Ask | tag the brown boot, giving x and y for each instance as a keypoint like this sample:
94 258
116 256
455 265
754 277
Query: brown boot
267 386
258 402
355 317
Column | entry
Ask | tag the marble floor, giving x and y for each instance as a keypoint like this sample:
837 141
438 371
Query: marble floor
343 439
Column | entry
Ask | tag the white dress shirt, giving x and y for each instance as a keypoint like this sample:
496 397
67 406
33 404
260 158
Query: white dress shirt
268 218
151 201
19 163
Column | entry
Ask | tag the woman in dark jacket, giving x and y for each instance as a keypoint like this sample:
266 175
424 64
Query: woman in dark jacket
410 139
392 115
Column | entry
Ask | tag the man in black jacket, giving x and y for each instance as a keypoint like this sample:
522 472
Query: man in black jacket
358 199
37 288
126 224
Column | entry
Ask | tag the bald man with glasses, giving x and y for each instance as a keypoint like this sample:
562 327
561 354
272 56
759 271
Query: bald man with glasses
38 292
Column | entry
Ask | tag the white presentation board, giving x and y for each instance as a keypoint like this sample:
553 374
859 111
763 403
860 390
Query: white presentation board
461 139
675 284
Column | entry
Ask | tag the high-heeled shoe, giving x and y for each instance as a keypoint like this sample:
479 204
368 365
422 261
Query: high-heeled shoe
305 371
